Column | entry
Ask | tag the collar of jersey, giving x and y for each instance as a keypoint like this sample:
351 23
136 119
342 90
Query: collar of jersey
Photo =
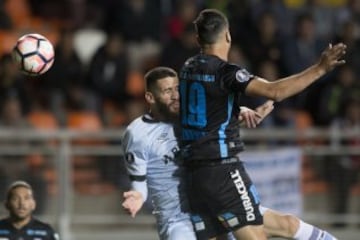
149 119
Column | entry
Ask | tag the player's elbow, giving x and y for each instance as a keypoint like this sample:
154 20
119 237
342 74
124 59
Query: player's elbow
276 95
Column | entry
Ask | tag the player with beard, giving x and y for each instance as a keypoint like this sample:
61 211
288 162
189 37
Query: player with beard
20 224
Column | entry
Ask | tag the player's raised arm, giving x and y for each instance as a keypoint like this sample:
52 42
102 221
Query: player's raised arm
289 86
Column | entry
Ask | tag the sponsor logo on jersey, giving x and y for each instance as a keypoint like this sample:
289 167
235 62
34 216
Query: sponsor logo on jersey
246 201
4 231
242 75
37 232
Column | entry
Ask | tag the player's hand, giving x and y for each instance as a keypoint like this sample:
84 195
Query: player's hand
133 202
265 109
249 117
332 56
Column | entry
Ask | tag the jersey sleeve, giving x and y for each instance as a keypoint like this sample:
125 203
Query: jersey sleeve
235 78
135 162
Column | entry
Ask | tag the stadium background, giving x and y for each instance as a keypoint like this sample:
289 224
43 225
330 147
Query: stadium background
62 130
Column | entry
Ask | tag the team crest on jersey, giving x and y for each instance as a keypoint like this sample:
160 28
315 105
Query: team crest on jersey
129 157
242 75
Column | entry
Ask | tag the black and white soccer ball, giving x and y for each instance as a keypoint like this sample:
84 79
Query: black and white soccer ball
34 54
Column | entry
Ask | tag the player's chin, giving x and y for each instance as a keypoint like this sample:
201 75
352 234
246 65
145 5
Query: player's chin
174 108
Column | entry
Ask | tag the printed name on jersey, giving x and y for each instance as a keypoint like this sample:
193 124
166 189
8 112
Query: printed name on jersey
242 75
129 157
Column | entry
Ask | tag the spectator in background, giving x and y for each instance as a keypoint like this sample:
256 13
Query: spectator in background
349 12
185 12
66 74
177 50
240 21
301 51
335 95
323 16
284 17
266 42
349 35
13 83
108 71
139 21
344 169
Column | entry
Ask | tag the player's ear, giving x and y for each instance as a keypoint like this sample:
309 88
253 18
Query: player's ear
149 97
198 39
228 36
33 207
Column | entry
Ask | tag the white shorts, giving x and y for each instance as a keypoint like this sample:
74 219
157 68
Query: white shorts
176 229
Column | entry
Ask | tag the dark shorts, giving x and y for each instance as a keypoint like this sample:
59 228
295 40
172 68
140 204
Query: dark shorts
222 199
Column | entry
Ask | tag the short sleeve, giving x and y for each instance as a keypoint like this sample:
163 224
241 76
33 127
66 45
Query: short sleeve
235 78
135 159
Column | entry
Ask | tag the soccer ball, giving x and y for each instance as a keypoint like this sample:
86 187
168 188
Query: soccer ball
34 54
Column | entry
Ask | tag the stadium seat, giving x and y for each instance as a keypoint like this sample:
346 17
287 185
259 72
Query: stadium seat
84 121
135 84
86 175
43 120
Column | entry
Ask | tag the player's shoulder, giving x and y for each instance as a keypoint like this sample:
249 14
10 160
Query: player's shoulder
141 124
36 223
141 127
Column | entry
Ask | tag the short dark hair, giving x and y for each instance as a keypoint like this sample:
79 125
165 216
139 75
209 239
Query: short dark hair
157 73
15 185
209 24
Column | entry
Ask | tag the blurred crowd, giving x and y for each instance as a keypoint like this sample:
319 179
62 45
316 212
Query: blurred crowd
103 48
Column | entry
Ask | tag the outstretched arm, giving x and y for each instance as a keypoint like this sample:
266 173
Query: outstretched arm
133 202
289 86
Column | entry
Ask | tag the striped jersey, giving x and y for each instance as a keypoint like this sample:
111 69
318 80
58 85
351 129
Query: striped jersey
209 89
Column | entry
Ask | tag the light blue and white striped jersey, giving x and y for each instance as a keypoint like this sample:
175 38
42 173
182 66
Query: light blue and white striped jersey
150 147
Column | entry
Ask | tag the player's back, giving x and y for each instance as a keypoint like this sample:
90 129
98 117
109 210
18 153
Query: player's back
208 88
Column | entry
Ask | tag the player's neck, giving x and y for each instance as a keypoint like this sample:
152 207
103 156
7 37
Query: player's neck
218 50
19 223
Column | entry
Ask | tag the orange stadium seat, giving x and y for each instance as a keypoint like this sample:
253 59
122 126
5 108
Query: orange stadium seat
18 11
43 120
84 121
135 84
